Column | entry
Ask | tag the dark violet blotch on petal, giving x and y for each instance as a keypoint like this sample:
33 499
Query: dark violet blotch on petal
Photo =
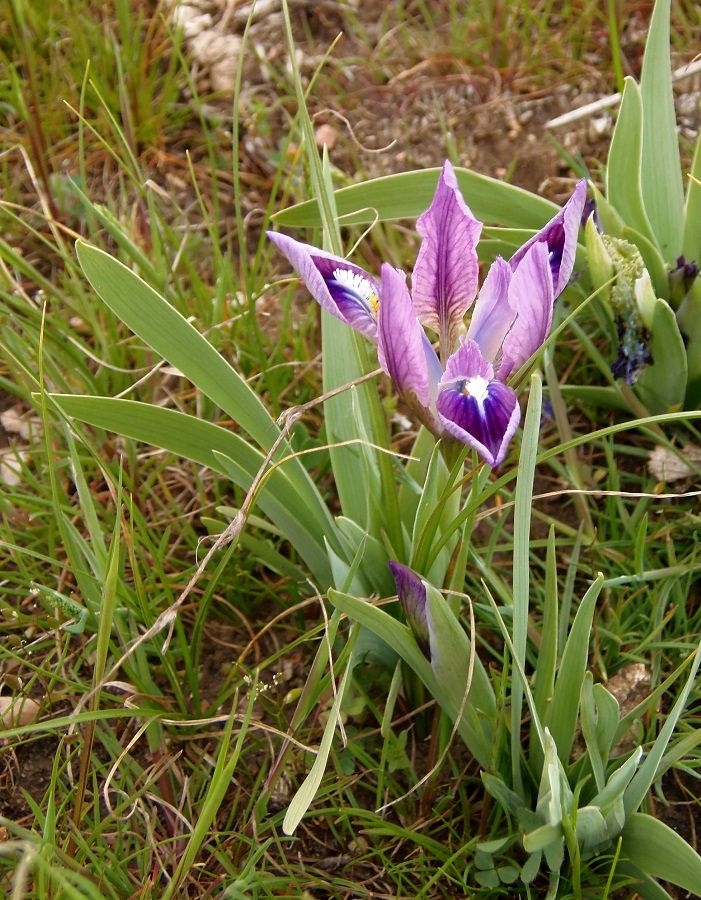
474 407
681 279
560 235
411 592
346 291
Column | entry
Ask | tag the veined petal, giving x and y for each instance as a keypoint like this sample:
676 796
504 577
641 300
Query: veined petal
560 235
474 407
444 281
492 316
342 289
402 347
531 298
411 592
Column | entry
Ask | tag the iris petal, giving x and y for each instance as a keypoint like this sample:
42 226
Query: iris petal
346 291
444 280
531 298
474 407
403 349
560 236
493 315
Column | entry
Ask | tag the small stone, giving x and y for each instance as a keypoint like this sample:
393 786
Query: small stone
16 711
599 127
11 460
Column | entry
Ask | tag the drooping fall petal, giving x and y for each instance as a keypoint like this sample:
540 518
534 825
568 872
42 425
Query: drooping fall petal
560 235
346 291
403 350
444 280
531 298
474 407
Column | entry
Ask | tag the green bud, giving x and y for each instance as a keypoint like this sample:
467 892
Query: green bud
645 298
600 263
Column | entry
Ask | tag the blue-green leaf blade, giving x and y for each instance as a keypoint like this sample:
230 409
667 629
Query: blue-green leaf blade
660 852
623 173
207 444
562 713
407 194
661 164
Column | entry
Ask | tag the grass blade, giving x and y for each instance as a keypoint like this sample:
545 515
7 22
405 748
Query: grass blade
521 588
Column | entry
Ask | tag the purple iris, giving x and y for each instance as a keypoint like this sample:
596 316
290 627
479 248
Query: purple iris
466 398
411 592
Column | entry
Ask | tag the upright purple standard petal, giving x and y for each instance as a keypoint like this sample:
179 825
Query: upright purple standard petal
402 348
474 407
493 315
444 281
412 596
342 289
531 298
560 235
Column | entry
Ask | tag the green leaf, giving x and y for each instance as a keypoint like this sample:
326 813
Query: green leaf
661 164
450 655
606 397
611 222
618 781
541 838
591 827
408 194
562 714
341 365
286 515
497 788
162 327
607 718
401 640
304 797
531 867
374 566
587 718
521 565
345 356
623 171
648 771
487 878
547 652
660 852
691 247
200 441
662 385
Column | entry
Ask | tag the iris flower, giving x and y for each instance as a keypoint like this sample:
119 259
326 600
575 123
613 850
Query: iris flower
461 392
